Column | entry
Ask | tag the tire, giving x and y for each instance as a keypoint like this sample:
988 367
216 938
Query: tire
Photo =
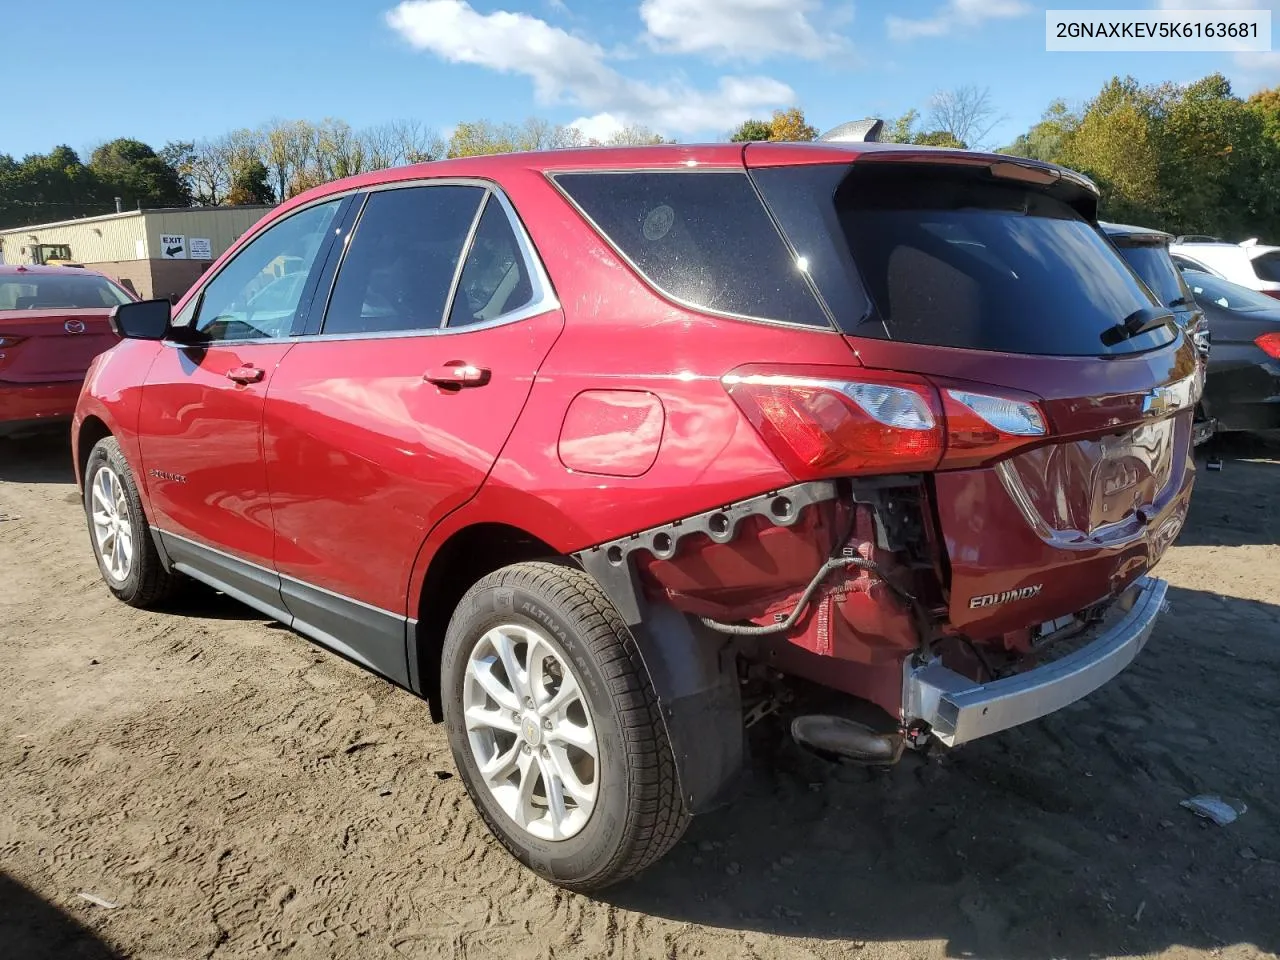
636 813
143 580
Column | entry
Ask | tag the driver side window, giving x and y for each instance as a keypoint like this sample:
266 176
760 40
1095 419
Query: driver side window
256 295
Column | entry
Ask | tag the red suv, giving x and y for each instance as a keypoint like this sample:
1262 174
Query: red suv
605 453
53 322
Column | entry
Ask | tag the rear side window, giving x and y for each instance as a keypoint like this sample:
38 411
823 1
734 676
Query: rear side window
1152 263
398 272
702 238
958 260
1267 267
49 292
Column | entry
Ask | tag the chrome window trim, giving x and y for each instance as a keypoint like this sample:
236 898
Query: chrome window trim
671 297
462 258
545 299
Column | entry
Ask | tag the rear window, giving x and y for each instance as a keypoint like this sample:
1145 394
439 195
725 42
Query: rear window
55 292
1152 263
949 259
702 238
1267 267
1232 296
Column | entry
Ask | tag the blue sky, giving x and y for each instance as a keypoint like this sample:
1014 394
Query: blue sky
687 68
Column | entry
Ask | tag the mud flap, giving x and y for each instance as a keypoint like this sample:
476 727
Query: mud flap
695 678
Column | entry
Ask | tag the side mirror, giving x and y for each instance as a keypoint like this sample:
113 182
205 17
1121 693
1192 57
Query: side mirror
143 320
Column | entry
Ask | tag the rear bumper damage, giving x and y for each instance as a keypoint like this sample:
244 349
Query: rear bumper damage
957 709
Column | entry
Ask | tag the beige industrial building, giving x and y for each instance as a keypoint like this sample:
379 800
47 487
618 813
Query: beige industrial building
158 253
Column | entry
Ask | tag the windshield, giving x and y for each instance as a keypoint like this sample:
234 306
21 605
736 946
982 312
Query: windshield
1232 296
48 291
1151 262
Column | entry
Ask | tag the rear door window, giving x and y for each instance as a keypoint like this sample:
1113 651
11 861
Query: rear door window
702 238
398 273
949 259
495 278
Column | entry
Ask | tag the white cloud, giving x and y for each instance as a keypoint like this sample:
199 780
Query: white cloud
739 29
568 69
600 127
955 15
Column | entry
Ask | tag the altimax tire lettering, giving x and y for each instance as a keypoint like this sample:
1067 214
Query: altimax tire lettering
996 599
544 618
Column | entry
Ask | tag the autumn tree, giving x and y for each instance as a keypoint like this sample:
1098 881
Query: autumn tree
752 130
250 183
1047 139
635 135
790 126
907 129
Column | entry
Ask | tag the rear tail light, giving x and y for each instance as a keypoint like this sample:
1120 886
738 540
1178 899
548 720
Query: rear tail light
1272 293
881 423
1270 344
981 427
834 428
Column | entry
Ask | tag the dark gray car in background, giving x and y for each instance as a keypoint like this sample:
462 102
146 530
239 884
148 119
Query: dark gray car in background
1242 387
1147 253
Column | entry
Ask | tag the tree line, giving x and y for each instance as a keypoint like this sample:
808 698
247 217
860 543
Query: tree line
1191 158
254 166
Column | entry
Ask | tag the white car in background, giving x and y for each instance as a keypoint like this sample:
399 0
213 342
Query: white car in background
1250 264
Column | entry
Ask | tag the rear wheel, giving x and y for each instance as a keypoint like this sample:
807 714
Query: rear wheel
127 557
555 727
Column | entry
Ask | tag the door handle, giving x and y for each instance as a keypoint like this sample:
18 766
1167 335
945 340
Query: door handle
457 374
245 374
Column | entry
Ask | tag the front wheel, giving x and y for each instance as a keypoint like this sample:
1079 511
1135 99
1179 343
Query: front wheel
127 557
555 727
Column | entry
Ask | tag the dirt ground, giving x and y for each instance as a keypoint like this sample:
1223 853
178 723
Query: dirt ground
235 791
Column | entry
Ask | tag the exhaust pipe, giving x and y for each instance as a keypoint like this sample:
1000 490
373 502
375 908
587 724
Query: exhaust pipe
836 738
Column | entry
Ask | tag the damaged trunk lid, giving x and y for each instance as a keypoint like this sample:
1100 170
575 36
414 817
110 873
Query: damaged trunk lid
991 278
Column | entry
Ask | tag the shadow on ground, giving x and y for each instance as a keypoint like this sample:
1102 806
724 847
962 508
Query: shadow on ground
1063 838
33 929
1235 506
41 458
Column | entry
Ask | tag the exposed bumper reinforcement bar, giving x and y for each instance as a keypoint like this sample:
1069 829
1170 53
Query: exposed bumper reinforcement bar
612 566
959 709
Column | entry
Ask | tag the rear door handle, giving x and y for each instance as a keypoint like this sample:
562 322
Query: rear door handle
457 374
245 374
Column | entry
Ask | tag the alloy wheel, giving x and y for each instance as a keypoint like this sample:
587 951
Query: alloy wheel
531 733
112 524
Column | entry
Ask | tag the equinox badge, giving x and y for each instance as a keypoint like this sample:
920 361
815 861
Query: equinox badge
995 599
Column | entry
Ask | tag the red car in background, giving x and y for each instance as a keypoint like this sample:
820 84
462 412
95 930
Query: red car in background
53 322
608 453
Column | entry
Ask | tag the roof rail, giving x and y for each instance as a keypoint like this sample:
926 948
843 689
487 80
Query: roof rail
855 131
